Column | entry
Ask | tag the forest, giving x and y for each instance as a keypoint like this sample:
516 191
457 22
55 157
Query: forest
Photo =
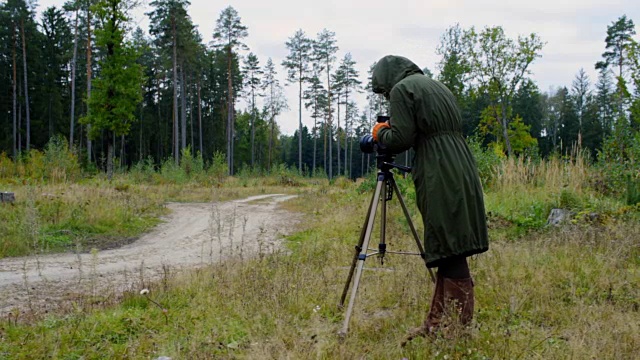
119 96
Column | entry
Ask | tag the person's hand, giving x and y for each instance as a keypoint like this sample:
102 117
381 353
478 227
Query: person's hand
377 128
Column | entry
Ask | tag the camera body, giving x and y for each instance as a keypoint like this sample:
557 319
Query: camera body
368 145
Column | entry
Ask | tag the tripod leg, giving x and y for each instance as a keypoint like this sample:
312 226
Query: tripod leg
363 254
358 249
382 246
413 229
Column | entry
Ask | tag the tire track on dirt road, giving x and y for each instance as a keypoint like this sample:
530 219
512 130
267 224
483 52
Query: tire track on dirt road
193 235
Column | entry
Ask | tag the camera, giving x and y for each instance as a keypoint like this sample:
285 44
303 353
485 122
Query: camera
368 145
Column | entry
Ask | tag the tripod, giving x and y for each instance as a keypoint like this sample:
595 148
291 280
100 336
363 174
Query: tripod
385 183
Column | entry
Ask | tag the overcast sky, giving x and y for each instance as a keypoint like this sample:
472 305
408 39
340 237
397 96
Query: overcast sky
574 31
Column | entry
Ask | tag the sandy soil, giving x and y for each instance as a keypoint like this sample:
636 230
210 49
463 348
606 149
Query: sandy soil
193 235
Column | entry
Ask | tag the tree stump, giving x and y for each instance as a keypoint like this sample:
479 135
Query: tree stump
7 197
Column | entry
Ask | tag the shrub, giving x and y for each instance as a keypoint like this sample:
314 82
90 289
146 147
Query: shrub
487 160
218 169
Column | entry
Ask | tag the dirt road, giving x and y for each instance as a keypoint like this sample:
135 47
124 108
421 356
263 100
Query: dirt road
194 234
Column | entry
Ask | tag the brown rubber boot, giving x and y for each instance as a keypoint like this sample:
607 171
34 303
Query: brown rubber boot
458 294
432 322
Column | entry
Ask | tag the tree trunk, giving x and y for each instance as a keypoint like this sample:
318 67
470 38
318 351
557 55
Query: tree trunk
315 141
338 136
347 170
253 126
505 129
324 147
89 147
176 142
200 118
300 121
140 155
350 157
109 155
49 116
330 127
230 124
271 142
72 125
193 148
15 98
19 120
26 85
183 109
162 126
123 152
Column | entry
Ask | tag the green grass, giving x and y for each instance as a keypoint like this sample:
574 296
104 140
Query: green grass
541 293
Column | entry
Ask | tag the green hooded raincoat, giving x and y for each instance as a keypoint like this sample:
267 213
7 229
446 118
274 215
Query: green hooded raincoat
425 116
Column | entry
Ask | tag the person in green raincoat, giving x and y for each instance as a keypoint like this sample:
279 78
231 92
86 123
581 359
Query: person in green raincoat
425 117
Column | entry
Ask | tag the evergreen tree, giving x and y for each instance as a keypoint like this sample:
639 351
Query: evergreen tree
604 100
297 65
56 50
73 7
324 49
619 41
350 85
527 104
581 94
274 104
228 35
454 65
117 89
172 30
316 102
252 73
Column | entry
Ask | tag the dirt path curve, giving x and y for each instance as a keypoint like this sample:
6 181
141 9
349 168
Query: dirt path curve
194 234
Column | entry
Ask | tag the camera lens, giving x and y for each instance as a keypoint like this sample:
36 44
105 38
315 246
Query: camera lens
367 144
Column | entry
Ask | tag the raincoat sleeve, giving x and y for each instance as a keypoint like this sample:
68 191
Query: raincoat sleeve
402 133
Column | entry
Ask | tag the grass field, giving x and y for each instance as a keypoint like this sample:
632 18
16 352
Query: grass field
568 292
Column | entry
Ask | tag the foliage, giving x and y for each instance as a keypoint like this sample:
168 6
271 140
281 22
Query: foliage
519 133
487 160
116 91
56 165
499 64
618 163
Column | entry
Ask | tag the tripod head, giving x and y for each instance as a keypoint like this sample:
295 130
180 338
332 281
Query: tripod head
385 163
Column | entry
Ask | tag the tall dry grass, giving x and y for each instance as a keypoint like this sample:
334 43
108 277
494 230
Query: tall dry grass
551 293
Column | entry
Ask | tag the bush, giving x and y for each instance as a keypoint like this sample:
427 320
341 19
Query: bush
487 160
143 171
218 169
618 166
192 166
57 164
633 190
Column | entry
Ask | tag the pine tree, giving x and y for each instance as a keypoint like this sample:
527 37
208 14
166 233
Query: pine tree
252 73
324 49
117 90
581 94
74 7
274 104
228 35
619 41
454 66
315 99
172 30
297 65
56 54
350 85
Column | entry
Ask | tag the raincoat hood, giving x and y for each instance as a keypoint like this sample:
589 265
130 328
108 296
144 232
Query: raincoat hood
389 71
